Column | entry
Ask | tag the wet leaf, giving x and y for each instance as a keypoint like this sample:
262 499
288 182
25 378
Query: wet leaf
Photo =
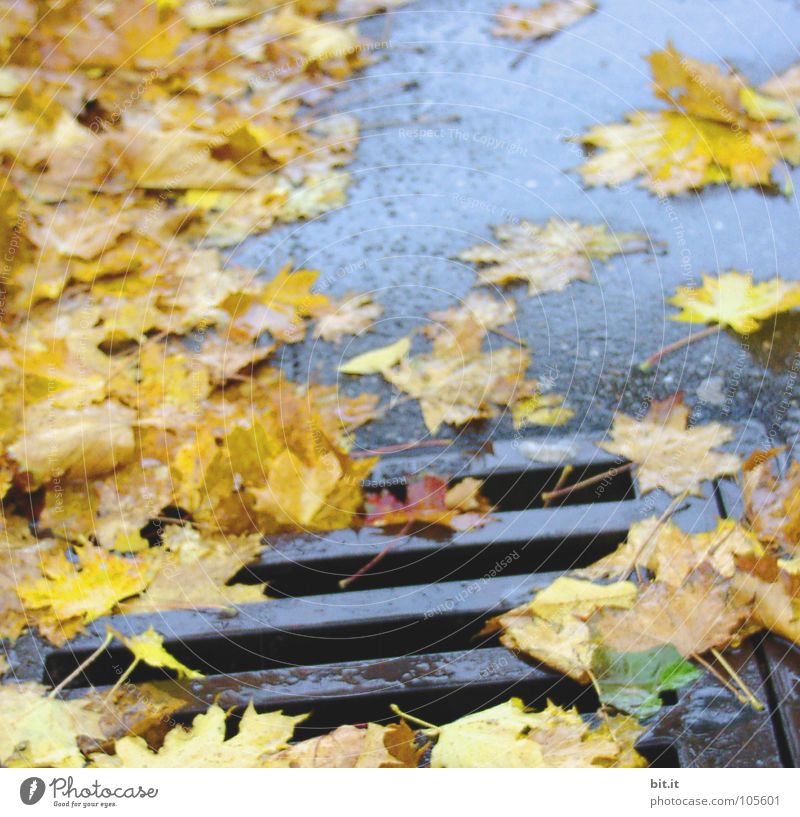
195 570
203 745
509 736
668 453
553 629
772 504
633 681
718 130
700 614
68 594
732 299
671 555
377 360
148 646
533 23
580 598
354 314
351 747
39 731
429 502
549 256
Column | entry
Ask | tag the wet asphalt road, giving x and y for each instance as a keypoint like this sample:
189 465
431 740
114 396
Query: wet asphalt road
475 140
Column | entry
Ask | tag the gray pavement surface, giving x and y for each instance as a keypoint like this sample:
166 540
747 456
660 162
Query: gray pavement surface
476 140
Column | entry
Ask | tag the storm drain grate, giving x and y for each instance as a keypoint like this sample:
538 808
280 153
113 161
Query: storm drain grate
407 633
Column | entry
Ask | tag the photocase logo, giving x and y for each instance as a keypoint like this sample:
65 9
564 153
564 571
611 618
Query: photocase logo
31 790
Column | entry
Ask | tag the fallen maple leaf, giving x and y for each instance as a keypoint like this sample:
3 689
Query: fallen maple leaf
351 747
568 596
719 130
204 744
732 299
148 647
549 256
552 628
74 443
478 314
354 314
534 23
565 644
377 360
509 736
772 504
70 594
700 614
37 730
540 410
668 453
771 586
194 572
671 555
428 501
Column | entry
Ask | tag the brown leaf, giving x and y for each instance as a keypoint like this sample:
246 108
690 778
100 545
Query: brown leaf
548 256
526 23
694 617
351 747
772 503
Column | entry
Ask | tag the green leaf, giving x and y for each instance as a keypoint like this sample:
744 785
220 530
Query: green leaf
633 681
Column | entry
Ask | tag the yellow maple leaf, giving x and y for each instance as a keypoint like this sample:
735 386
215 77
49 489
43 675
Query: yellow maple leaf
772 503
540 410
148 646
204 744
38 730
376 360
667 452
732 299
580 598
510 736
67 596
671 554
74 443
699 614
719 130
194 571
566 644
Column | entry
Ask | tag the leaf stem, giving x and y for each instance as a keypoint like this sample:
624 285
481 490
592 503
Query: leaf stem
753 701
679 344
81 667
376 559
398 447
564 476
122 678
585 483
721 678
397 711
501 333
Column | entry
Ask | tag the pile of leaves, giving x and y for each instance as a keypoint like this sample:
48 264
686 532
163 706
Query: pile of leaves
717 129
629 622
134 727
147 446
